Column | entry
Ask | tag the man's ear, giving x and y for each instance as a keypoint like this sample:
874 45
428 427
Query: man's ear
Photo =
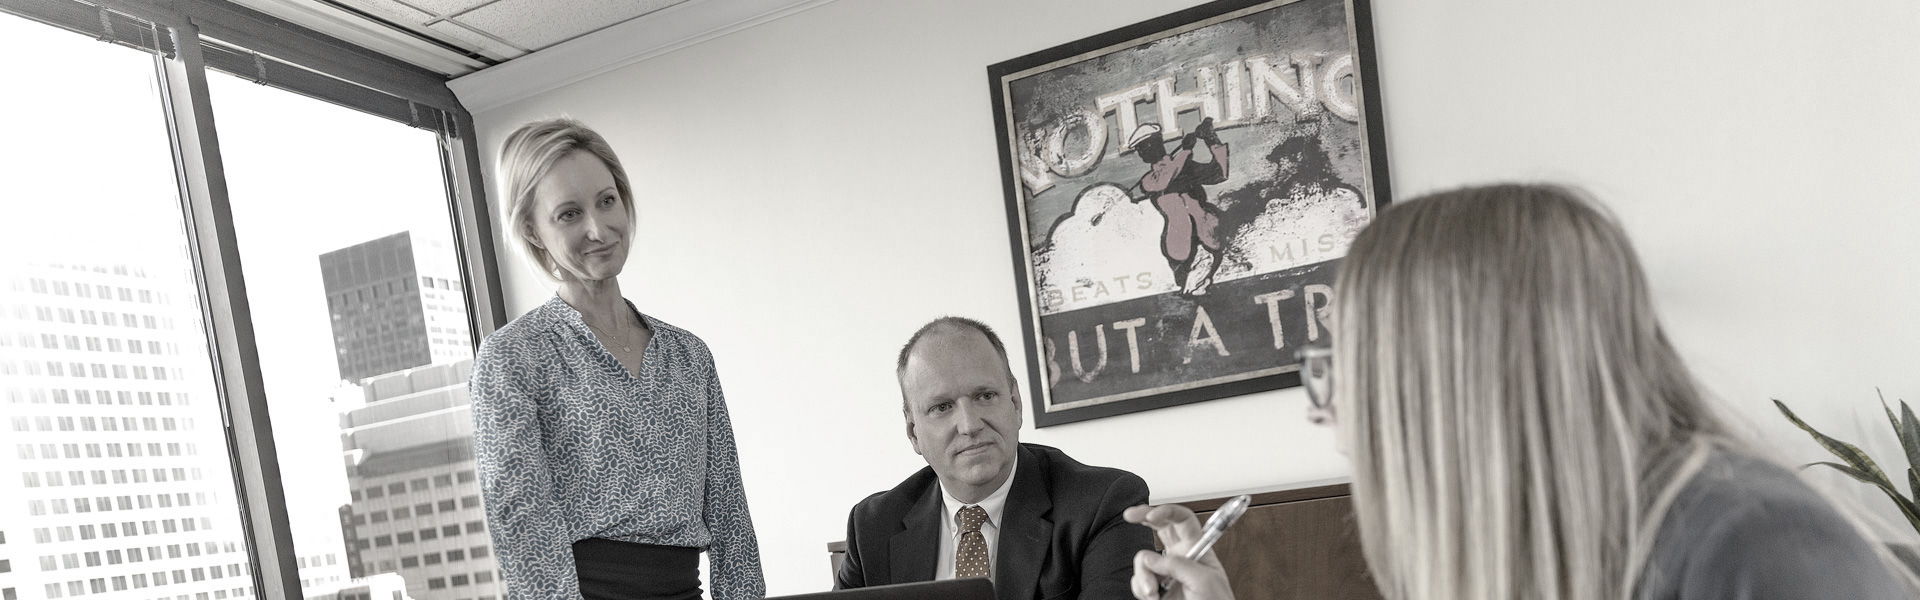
1013 391
912 439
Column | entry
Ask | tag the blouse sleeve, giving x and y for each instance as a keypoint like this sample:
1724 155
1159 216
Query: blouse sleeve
531 540
734 556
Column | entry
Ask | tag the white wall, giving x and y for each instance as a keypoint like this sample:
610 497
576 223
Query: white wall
815 187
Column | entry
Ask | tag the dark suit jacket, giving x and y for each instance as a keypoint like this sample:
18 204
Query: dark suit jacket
1061 535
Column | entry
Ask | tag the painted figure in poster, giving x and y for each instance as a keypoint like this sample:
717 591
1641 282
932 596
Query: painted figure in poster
1176 183
1178 272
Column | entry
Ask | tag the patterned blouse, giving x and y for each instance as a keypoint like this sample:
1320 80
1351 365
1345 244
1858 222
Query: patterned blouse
573 446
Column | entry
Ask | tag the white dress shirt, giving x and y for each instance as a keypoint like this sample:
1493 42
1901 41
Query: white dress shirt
995 504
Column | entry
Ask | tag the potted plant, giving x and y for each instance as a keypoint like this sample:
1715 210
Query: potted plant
1863 468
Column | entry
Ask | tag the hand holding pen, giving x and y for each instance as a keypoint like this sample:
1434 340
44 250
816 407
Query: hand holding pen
1188 569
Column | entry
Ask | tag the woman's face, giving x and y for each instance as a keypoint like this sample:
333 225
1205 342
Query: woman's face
579 218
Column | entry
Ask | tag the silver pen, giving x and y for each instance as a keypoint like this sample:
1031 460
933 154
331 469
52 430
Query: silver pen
1217 524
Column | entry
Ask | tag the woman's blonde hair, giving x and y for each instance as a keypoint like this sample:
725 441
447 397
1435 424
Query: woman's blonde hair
1524 418
526 156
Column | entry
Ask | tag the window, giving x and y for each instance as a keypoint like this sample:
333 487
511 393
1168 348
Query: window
127 307
285 230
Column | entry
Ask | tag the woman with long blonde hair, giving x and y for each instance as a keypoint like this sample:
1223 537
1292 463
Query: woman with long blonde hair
1520 427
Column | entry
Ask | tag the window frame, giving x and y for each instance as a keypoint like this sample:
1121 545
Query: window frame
188 37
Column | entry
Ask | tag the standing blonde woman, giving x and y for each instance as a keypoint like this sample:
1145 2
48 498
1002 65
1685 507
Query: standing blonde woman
1520 428
606 457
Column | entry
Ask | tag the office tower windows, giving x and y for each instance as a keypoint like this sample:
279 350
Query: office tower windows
108 382
382 321
63 360
361 318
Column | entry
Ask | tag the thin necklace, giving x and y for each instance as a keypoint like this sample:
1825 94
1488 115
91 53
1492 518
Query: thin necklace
619 338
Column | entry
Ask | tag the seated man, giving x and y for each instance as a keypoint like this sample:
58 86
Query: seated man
1037 522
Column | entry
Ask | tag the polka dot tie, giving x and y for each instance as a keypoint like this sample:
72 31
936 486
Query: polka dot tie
971 560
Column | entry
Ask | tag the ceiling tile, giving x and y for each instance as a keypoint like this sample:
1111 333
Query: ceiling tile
536 24
391 10
446 7
473 39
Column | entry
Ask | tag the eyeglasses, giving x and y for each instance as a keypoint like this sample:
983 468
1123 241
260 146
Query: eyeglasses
1316 374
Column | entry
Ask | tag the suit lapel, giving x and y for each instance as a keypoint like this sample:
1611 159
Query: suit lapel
914 550
1025 530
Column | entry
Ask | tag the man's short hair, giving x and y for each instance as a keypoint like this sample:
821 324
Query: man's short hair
949 322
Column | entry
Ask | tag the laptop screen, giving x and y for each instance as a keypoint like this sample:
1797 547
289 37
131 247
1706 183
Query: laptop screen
972 588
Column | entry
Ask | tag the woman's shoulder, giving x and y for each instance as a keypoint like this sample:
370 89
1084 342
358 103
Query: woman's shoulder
677 336
1732 477
1744 521
531 332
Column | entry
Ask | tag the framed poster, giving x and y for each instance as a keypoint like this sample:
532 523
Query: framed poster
1179 193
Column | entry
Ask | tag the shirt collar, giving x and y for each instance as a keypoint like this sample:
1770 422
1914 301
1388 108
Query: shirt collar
995 503
578 323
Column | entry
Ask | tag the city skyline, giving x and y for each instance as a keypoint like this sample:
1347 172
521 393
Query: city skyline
121 466
389 426
394 304
304 177
406 440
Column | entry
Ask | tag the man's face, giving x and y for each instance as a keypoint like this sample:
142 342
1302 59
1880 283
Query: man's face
963 411
1151 150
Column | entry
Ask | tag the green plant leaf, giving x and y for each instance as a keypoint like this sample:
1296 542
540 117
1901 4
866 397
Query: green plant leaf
1863 476
1913 481
1847 452
1906 506
1891 418
1910 440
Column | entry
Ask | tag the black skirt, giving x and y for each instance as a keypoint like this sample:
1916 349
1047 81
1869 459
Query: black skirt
614 570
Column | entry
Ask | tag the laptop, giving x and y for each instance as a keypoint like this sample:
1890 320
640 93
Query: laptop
971 588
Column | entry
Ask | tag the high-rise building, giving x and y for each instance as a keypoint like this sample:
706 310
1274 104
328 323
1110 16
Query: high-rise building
8 589
396 303
416 496
114 460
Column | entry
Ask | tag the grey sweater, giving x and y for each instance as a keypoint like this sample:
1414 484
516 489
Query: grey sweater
1746 529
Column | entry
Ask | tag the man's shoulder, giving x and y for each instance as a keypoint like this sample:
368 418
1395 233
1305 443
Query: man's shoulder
895 502
1066 473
